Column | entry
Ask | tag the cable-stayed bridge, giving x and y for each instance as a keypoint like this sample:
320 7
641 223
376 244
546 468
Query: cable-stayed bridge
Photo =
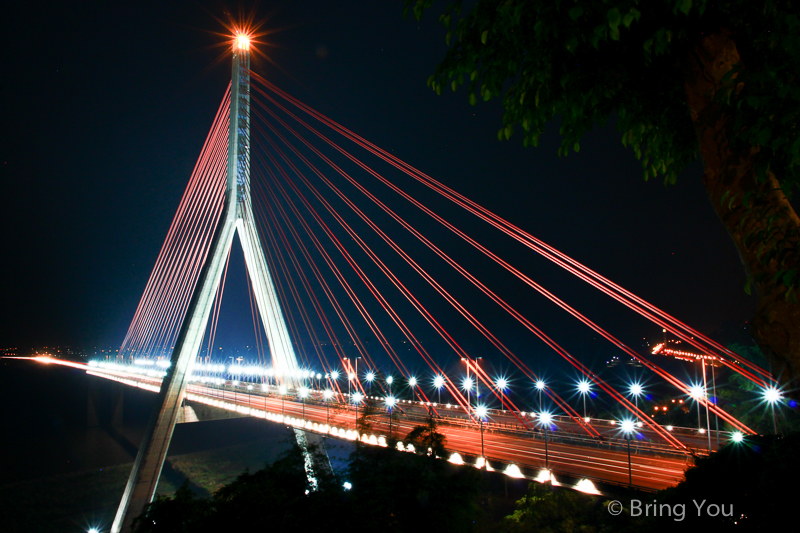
328 257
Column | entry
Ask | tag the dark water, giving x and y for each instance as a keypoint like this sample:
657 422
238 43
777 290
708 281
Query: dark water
56 420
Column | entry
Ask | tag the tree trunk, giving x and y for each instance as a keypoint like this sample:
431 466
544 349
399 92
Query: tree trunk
728 176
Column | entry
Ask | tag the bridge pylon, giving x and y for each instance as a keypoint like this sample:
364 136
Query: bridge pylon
237 215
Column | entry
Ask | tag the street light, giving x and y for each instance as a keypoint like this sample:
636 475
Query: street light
584 387
370 378
282 390
545 419
328 394
737 437
772 396
467 385
390 401
357 397
303 392
412 382
540 387
481 412
636 390
698 392
438 382
628 427
502 384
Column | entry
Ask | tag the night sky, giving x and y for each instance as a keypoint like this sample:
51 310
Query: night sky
106 106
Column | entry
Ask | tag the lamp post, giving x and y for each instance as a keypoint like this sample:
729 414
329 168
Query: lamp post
481 411
628 428
282 390
636 390
467 385
358 381
370 378
698 393
303 392
584 388
357 397
389 381
501 385
412 382
540 385
545 419
328 394
438 382
390 401
705 393
772 396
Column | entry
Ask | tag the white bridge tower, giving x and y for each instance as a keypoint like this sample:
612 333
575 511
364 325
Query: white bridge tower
237 215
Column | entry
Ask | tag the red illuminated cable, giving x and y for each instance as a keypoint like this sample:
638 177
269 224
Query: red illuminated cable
559 258
572 360
374 291
671 379
167 252
160 260
295 292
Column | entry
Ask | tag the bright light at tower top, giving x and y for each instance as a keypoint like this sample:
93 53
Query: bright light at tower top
242 42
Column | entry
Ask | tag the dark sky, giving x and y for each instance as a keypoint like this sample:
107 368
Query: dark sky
106 106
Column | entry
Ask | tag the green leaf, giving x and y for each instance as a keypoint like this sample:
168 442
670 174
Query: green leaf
454 85
447 38
484 36
614 34
725 195
684 6
472 99
628 19
576 12
747 286
764 136
508 130
430 79
500 134
614 18
577 148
